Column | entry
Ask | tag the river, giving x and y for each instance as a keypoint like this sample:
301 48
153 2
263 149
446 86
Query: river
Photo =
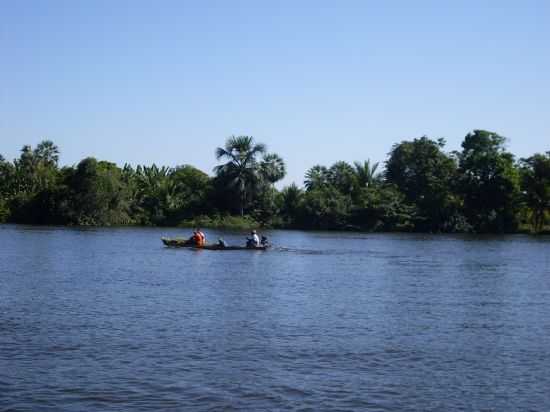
111 320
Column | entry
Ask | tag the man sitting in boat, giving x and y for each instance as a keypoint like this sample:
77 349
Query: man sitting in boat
264 242
253 241
198 238
202 236
192 240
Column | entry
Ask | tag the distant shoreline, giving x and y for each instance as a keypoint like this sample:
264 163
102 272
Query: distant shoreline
523 231
421 188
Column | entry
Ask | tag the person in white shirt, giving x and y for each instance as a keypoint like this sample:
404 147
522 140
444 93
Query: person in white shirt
253 241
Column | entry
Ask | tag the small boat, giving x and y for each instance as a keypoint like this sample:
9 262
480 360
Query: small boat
186 243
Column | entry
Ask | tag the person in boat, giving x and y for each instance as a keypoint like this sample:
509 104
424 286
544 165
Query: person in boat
264 242
253 240
197 239
221 243
201 238
193 239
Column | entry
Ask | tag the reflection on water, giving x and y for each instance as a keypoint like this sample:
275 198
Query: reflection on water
109 319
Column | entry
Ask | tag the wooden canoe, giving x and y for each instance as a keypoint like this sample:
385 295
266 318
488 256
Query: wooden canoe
186 243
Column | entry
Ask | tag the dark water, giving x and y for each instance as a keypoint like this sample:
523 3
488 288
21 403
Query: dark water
109 320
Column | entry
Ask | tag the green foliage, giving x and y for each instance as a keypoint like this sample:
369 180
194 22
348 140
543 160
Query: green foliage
324 208
28 185
192 190
241 171
422 189
272 168
4 211
246 178
97 195
535 179
489 183
6 179
342 177
221 222
383 208
366 175
35 170
316 178
265 207
290 201
425 175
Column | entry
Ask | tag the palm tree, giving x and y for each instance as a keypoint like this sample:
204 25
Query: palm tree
47 152
291 197
342 176
36 168
366 174
46 155
153 190
7 178
241 168
26 167
272 168
150 178
316 177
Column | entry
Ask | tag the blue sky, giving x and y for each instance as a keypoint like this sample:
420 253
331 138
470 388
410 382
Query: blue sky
317 81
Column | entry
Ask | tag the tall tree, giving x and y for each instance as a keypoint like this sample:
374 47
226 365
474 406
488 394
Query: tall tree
154 192
383 207
324 208
365 173
272 168
97 194
192 190
535 172
7 178
47 152
342 176
241 170
46 156
425 174
25 170
316 177
489 182
36 169
291 197
34 179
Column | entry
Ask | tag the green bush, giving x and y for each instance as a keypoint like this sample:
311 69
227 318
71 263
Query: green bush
4 211
221 222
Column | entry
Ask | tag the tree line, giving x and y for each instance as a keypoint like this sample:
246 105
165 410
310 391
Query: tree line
481 188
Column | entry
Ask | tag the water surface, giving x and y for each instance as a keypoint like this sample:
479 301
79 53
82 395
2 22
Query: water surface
110 320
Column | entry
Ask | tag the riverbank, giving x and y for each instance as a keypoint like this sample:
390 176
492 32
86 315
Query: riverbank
247 223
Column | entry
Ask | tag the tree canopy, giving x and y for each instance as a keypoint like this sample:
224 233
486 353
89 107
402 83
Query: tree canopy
425 175
421 188
489 182
535 174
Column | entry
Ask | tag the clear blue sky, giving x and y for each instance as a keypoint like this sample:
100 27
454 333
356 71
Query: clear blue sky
317 81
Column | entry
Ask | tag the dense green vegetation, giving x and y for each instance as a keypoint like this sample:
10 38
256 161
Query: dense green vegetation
481 188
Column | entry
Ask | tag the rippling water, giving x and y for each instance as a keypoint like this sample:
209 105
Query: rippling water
110 320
